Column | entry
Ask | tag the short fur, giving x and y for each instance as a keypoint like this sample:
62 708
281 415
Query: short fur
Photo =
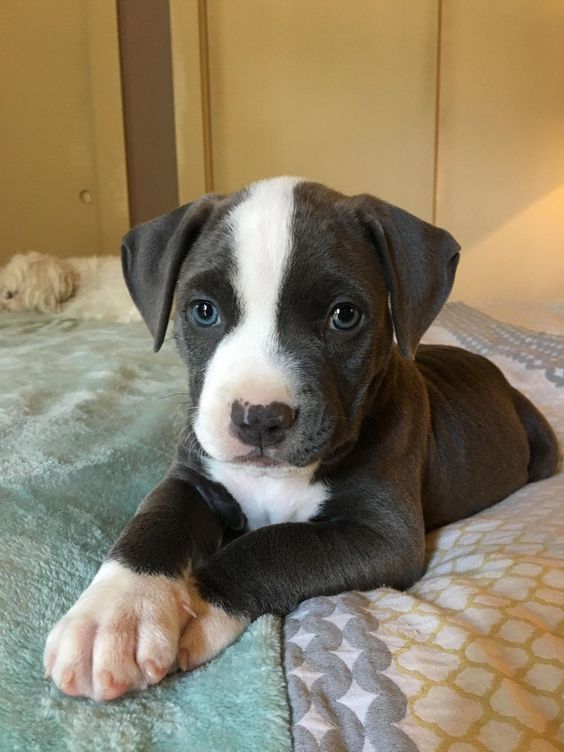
316 458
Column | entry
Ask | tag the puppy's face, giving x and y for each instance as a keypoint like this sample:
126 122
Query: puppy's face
282 311
283 321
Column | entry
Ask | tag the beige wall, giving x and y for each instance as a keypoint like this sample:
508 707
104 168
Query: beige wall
346 93
191 98
501 146
341 93
307 88
61 128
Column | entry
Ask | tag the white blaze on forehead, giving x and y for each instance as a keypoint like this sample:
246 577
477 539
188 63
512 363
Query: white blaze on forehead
262 234
248 364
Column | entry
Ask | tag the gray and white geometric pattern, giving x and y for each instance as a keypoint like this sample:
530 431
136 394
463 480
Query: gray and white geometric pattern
483 334
341 700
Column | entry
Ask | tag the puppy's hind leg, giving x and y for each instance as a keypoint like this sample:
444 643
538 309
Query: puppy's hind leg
543 444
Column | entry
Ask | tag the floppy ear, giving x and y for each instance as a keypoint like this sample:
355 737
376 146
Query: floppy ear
419 263
152 255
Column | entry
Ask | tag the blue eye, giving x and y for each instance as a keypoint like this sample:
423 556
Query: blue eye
345 316
205 313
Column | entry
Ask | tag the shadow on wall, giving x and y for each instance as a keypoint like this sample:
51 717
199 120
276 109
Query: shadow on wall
501 150
517 260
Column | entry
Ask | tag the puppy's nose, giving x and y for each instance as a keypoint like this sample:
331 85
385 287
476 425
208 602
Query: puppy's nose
260 425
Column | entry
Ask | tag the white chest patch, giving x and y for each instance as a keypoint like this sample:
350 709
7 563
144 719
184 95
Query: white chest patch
267 498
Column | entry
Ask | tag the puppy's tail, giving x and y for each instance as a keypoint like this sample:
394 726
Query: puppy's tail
543 444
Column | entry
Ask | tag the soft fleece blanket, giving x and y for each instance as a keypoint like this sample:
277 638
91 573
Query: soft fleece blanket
87 416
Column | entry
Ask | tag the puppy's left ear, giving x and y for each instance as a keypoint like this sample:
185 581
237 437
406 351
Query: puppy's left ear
419 262
152 255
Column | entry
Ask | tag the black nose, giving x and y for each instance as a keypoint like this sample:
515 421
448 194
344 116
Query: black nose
261 425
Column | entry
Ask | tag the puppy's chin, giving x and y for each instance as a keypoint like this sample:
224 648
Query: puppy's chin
256 462
259 459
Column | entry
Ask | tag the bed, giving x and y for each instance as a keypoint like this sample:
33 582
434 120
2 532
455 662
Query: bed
471 658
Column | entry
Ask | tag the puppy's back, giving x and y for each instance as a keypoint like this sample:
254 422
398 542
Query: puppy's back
486 439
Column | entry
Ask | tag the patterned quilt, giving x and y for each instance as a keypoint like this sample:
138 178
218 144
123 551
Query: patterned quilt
471 658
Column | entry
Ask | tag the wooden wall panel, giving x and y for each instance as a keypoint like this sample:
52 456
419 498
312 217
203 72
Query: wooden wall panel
339 92
61 129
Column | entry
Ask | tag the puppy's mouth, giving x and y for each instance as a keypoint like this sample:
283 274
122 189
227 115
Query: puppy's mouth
258 459
257 463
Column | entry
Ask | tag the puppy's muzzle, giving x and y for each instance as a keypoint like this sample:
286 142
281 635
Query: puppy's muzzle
259 425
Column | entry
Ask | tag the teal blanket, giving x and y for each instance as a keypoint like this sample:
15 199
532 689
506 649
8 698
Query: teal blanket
87 426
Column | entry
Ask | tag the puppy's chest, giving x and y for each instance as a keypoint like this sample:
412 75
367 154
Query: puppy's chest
270 499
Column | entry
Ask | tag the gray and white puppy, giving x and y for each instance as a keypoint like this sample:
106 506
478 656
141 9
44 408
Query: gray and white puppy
318 452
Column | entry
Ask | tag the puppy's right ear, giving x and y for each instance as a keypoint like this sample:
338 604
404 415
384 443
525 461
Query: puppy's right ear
152 255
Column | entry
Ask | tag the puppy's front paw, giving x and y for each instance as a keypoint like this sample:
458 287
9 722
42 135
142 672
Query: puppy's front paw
208 631
121 635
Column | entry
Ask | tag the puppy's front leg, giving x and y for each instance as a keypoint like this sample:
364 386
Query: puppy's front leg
122 633
273 569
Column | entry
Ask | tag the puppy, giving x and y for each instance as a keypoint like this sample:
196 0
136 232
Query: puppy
317 451
85 288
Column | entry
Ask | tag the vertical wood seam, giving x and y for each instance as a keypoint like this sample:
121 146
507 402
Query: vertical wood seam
436 143
205 92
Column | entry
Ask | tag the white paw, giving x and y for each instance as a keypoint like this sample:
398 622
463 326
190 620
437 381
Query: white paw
210 631
122 634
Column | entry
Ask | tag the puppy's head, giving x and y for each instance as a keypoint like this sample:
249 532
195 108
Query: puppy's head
282 310
34 281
